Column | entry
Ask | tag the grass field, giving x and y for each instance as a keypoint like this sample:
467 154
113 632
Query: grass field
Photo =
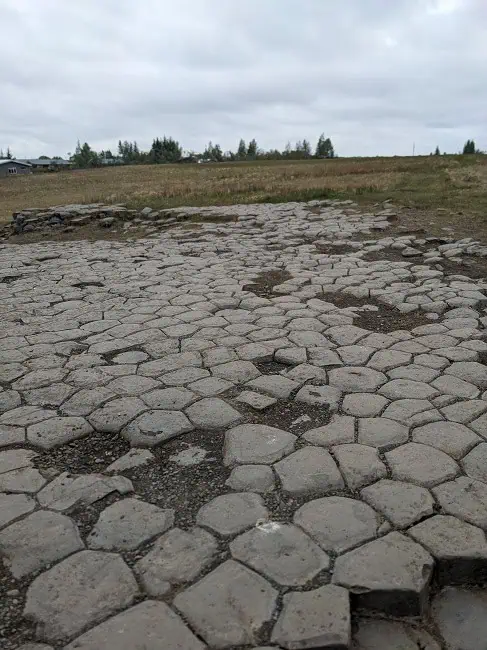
457 183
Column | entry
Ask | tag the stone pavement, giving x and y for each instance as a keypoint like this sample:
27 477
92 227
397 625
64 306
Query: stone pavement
270 433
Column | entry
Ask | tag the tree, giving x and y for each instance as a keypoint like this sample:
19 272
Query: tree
469 147
84 156
306 150
9 154
252 149
242 150
437 151
166 150
324 148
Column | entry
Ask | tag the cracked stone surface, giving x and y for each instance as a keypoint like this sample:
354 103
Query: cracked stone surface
298 387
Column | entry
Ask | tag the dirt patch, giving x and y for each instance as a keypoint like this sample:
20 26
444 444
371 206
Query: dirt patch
90 232
336 249
391 255
471 266
385 319
265 282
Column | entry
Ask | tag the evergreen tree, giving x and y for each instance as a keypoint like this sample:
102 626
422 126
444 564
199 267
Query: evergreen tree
9 154
320 151
84 156
242 150
252 149
329 150
306 149
437 151
469 147
217 154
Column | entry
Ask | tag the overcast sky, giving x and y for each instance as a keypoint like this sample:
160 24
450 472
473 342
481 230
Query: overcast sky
374 75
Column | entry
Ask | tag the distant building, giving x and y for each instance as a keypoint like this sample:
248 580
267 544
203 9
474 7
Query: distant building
47 163
10 167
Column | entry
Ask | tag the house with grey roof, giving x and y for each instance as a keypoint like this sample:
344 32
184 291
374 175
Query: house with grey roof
9 167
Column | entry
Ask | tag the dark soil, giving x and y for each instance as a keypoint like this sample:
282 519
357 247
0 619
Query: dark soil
264 283
385 319
337 249
471 266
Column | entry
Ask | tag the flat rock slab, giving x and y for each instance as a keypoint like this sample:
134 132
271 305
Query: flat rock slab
57 431
281 552
67 493
382 433
310 470
402 503
340 430
461 618
228 607
177 557
155 427
78 593
251 478
213 413
128 523
338 523
390 574
256 443
14 506
460 549
141 626
229 514
314 619
464 498
356 379
421 464
37 541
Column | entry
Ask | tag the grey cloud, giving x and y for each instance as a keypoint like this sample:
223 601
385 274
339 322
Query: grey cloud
374 75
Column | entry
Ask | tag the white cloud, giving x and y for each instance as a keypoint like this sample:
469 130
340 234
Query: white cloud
375 76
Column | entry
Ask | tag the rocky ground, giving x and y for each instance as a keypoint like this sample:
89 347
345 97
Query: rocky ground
269 432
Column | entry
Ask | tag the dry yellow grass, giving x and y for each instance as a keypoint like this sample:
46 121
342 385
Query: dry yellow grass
420 179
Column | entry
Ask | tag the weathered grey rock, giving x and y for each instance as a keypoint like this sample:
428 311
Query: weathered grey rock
310 470
415 372
238 372
340 430
346 334
338 523
314 619
155 427
327 396
132 385
38 540
450 385
454 439
57 431
210 386
169 399
390 574
175 558
291 356
470 371
112 417
256 443
464 498
475 463
382 433
460 550
85 401
67 493
128 523
421 464
11 436
141 626
464 412
184 376
228 607
356 379
213 413
255 400
78 593
281 552
355 355
133 458
364 405
373 634
14 506
461 618
251 478
405 410
407 389
401 503
229 514
359 464
274 385
385 360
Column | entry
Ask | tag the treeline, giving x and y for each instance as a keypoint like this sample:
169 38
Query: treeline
167 150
